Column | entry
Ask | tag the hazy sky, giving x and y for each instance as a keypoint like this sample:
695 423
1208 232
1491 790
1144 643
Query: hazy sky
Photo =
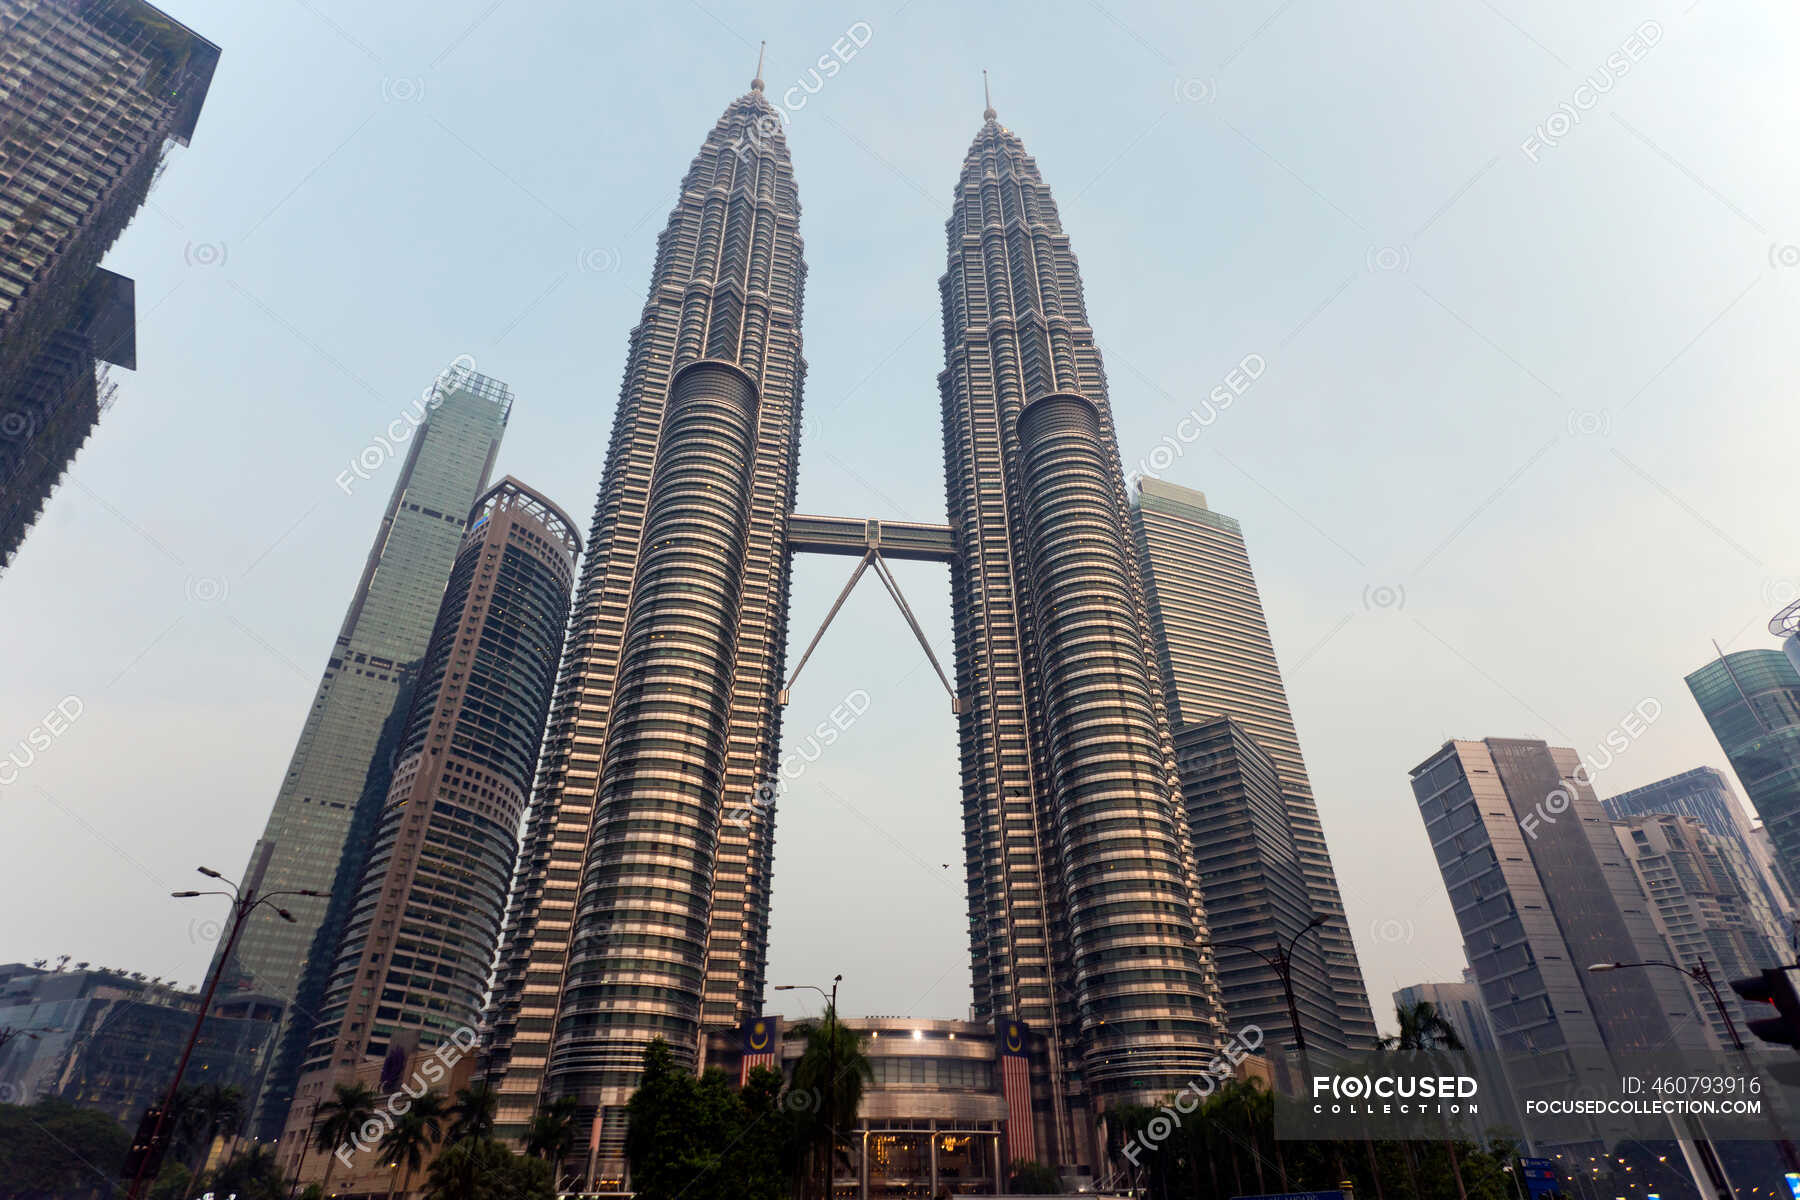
1523 444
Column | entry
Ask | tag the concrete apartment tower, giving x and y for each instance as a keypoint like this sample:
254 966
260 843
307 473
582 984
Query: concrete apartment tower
333 792
1706 795
1707 906
91 94
416 952
1541 890
1217 659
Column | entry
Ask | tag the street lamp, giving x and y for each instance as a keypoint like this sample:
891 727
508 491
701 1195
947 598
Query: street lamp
244 901
1282 963
9 1032
1700 974
830 1068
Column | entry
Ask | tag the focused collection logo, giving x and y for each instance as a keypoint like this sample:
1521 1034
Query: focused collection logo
1400 1095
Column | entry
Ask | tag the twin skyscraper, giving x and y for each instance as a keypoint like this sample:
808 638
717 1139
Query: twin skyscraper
637 910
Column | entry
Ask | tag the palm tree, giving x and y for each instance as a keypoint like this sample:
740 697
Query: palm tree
417 1130
214 1110
1423 1028
830 1075
342 1116
552 1131
472 1115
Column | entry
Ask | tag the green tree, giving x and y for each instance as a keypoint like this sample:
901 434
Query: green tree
480 1168
338 1120
666 1140
698 1139
1033 1178
551 1134
173 1182
255 1176
472 1113
761 1153
828 1092
53 1147
1423 1028
415 1131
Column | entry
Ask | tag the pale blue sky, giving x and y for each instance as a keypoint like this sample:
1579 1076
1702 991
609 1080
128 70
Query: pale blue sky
1546 404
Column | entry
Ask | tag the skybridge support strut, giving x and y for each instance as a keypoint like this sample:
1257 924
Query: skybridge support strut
872 557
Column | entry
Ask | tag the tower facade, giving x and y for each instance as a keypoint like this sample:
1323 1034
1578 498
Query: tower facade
1218 660
1752 701
1257 903
1706 904
1086 916
412 964
1705 795
337 780
639 913
1539 900
91 93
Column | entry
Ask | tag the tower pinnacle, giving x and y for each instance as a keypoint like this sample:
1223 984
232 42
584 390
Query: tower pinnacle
988 114
756 85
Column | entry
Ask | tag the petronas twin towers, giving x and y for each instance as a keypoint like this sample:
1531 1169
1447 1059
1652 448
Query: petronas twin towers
640 912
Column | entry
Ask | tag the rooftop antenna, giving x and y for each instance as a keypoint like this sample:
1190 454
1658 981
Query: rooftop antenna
987 98
756 85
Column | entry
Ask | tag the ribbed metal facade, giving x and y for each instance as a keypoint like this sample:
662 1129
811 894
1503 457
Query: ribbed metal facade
1086 918
637 912
638 963
413 964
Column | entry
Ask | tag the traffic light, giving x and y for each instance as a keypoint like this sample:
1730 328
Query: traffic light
1778 986
146 1151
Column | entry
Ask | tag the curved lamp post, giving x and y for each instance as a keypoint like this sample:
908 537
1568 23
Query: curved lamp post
830 1070
244 901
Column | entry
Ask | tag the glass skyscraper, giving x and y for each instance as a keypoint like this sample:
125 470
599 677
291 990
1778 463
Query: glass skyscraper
1752 701
1218 660
336 781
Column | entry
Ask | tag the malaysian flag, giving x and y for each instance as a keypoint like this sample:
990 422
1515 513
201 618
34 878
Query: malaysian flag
1015 1085
762 1042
